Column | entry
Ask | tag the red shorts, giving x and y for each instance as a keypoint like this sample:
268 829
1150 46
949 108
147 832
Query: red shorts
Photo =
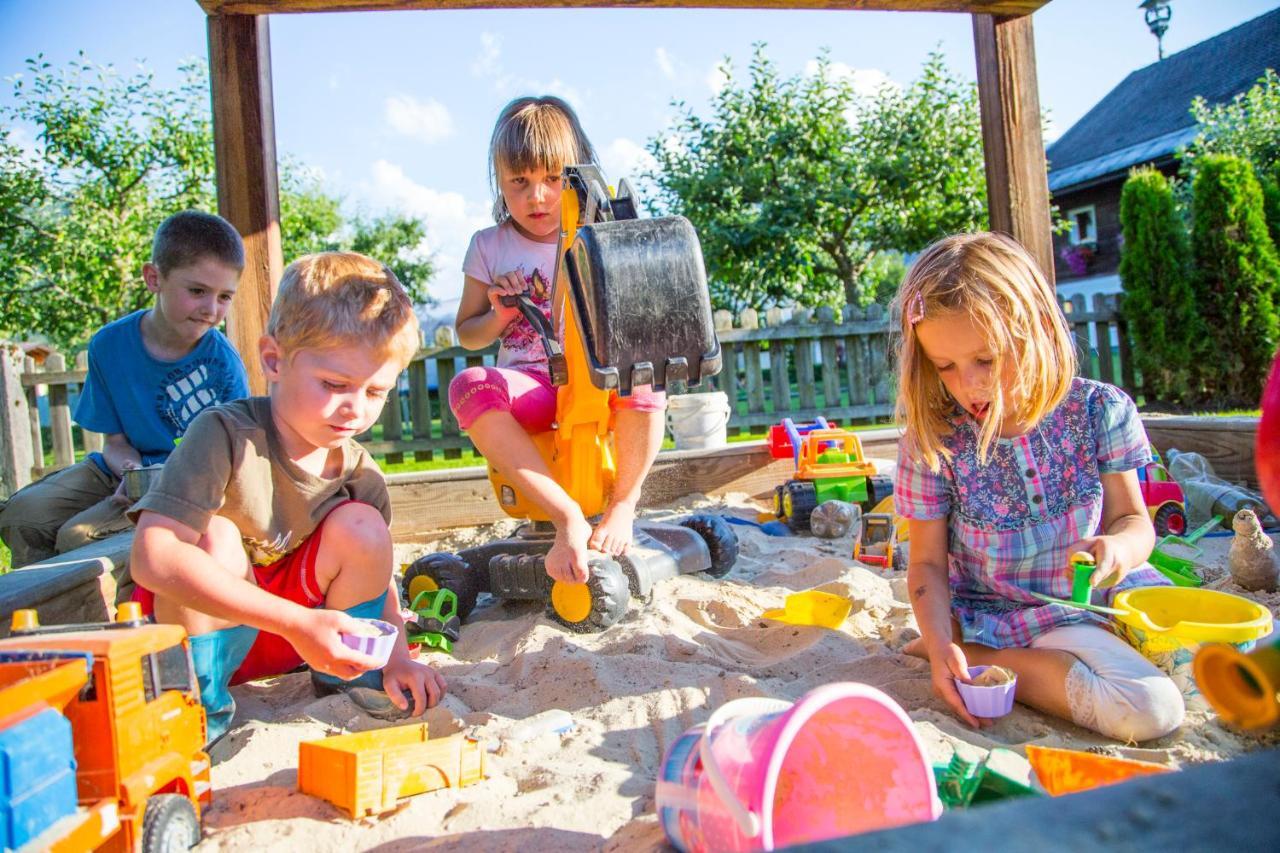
292 577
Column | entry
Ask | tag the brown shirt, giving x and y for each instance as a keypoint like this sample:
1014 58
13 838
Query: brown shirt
231 463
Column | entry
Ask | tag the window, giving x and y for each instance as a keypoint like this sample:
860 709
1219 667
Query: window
1084 225
169 669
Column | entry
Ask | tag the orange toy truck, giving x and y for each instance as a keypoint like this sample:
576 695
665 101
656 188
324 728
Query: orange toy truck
101 735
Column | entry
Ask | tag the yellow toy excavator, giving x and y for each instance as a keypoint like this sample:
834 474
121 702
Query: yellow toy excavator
629 308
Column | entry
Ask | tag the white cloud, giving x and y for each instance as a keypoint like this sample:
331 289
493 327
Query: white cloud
623 158
489 65
665 65
427 121
718 77
865 81
21 138
450 220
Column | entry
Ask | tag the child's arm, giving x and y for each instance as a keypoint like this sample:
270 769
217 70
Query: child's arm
119 454
481 315
1128 535
402 672
930 592
167 560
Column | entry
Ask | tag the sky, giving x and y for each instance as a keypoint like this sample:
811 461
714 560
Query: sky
393 110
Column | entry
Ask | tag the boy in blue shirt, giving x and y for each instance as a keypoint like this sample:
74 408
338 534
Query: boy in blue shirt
150 373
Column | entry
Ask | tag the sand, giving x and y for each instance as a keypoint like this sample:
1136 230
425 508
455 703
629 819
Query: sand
632 690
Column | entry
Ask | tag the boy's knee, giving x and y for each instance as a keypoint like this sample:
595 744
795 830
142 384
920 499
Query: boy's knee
356 528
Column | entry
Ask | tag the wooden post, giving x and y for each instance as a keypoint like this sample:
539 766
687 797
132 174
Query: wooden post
16 454
244 139
1008 99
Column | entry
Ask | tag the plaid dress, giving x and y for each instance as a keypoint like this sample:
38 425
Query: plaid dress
1012 521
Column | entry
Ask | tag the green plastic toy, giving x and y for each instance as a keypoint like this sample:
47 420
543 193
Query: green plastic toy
435 624
962 783
1182 569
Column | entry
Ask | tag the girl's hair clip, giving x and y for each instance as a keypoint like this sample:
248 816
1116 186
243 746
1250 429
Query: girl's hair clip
915 309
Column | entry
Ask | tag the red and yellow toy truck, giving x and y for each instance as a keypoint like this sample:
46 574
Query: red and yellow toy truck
1164 498
101 737
829 466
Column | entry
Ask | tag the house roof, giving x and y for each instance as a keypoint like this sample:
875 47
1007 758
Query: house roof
1147 116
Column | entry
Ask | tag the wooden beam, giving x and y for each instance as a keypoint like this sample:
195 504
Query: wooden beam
244 138
271 7
1227 443
1017 181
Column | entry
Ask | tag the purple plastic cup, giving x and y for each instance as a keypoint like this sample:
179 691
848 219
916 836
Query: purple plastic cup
993 701
378 647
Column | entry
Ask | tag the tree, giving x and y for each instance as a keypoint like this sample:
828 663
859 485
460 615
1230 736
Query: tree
1159 304
115 155
796 184
1236 276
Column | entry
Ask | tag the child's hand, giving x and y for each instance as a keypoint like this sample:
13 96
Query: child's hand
403 676
1111 570
317 641
945 667
506 284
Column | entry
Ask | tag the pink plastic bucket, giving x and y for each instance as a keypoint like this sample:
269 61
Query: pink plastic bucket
763 774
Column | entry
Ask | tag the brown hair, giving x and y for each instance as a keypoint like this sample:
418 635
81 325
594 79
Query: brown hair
192 235
343 298
534 133
992 279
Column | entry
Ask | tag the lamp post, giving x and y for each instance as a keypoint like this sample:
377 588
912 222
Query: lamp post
1157 14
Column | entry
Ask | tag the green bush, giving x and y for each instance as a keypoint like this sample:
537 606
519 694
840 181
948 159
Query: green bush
1159 304
1236 275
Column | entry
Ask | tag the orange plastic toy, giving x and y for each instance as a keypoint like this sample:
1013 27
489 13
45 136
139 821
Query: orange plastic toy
1066 771
366 773
123 697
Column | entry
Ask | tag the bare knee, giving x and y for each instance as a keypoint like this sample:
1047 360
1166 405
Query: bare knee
359 535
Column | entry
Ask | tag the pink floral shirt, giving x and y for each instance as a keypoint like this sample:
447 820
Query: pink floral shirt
502 249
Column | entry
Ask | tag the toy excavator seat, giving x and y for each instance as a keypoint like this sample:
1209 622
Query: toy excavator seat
629 308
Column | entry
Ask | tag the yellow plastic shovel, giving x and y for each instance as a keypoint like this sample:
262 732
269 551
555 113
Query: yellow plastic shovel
813 607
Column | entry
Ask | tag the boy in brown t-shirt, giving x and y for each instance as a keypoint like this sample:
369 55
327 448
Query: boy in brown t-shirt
267 533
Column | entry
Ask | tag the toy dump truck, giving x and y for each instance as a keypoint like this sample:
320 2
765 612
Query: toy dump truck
101 737
878 544
829 466
366 773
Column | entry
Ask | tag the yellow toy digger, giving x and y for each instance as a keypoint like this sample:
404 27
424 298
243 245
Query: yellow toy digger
629 307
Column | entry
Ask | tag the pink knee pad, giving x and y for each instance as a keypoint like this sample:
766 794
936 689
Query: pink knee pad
527 395
642 399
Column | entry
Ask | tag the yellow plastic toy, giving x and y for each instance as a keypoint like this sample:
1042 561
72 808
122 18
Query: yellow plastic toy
885 507
630 307
1243 688
1066 771
813 607
1167 618
366 773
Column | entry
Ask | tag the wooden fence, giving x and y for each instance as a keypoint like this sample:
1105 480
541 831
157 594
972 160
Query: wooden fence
783 364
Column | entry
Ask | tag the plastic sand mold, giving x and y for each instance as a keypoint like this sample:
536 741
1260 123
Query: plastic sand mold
813 607
1066 771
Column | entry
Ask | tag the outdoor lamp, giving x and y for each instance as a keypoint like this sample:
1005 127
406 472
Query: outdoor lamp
1157 14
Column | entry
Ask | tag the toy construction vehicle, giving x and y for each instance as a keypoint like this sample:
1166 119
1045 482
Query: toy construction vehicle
101 737
1163 497
878 544
829 466
629 308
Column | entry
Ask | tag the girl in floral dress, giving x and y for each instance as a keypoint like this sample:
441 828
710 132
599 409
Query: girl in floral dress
1009 464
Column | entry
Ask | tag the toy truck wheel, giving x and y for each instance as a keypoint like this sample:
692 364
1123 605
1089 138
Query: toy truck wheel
169 824
878 488
1170 519
595 605
443 571
799 498
721 541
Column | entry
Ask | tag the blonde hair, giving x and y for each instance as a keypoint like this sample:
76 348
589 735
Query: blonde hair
990 278
534 133
334 299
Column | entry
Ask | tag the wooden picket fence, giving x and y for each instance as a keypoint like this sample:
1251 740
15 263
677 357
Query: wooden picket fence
796 364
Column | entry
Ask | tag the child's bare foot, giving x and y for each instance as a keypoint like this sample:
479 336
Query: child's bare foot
916 648
615 531
567 559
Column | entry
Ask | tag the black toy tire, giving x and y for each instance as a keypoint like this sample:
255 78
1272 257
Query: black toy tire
447 571
721 541
878 488
610 596
169 824
778 510
804 499
1167 514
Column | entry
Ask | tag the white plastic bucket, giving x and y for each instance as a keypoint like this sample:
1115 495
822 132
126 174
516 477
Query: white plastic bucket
698 421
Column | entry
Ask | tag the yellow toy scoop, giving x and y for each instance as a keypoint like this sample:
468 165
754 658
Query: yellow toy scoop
813 607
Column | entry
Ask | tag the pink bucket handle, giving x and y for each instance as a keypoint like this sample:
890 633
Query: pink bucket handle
747 820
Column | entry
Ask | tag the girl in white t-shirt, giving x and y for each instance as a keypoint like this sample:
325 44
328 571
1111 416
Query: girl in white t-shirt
533 140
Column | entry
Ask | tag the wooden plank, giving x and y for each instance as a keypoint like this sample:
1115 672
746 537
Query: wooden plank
1128 378
1009 103
755 377
64 453
33 423
78 586
809 331
17 455
273 7
805 380
420 406
446 369
392 425
92 440
1102 334
44 376
1227 443
778 378
244 141
830 372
